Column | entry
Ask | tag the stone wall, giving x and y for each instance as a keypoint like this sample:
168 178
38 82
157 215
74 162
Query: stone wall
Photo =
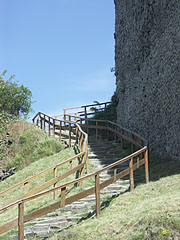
147 58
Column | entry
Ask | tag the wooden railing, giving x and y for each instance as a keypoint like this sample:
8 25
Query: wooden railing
81 137
102 128
85 110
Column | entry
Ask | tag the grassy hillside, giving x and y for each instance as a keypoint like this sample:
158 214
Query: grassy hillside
29 171
150 212
24 143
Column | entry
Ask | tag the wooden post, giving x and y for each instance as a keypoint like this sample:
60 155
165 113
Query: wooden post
69 134
146 166
115 173
21 221
25 187
75 117
41 123
60 124
137 161
49 127
142 144
81 140
96 130
54 127
63 196
82 169
55 184
76 135
131 175
97 192
64 115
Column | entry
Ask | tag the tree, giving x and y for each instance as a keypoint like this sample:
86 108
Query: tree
14 100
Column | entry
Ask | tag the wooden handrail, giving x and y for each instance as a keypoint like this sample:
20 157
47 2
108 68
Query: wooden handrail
81 154
136 159
41 173
89 105
118 162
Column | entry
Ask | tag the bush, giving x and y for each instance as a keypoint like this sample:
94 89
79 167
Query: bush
15 100
108 114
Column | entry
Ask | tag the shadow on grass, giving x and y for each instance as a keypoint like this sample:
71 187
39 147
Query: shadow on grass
158 168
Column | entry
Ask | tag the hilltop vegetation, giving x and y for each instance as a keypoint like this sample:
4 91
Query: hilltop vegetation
24 143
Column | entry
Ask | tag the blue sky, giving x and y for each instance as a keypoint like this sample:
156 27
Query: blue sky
62 50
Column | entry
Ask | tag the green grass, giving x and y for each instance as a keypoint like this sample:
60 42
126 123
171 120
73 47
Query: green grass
151 211
24 143
31 170
27 172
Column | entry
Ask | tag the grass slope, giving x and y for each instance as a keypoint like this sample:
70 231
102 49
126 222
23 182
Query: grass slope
29 171
151 211
25 143
33 169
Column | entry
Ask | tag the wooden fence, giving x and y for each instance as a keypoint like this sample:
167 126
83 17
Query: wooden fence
81 137
100 127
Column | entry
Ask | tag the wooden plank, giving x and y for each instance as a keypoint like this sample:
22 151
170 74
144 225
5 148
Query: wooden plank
97 192
40 212
8 226
48 183
80 195
111 180
41 173
85 177
21 221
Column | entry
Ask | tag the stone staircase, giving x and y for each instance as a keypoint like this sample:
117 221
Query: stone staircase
101 153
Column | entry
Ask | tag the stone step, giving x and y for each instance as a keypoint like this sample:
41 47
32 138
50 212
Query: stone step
100 155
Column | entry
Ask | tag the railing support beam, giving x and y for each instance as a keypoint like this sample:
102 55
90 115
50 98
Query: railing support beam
146 166
97 192
21 221
131 175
